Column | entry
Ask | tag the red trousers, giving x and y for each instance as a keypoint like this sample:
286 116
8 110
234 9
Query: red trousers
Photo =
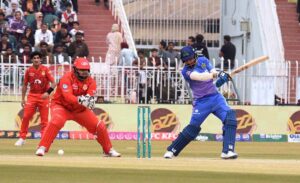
59 116
34 101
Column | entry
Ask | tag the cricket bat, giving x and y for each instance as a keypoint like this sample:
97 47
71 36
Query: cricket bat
251 63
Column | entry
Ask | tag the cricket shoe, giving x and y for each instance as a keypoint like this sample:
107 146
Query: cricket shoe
112 153
40 151
20 142
229 155
169 155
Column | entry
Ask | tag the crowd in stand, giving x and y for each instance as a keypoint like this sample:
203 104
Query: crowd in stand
51 27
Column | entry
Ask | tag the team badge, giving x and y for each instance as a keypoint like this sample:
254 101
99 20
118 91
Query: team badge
203 65
65 86
84 87
43 73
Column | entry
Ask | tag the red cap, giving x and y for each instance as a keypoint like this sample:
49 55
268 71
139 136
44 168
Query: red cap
82 63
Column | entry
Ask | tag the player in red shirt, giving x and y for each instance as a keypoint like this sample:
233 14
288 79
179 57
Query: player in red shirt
38 78
73 100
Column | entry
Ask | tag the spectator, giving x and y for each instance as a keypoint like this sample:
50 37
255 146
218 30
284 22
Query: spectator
69 16
63 37
44 35
48 8
141 62
29 7
13 7
3 23
162 52
60 57
154 61
17 26
228 51
127 56
4 44
9 56
78 48
113 40
37 23
172 56
61 6
47 57
200 47
24 57
55 27
75 29
29 35
190 41
20 46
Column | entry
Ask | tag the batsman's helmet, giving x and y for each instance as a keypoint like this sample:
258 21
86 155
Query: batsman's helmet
81 64
187 53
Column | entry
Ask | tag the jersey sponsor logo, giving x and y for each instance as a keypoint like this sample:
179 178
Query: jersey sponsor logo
84 87
164 120
75 87
203 65
37 81
65 86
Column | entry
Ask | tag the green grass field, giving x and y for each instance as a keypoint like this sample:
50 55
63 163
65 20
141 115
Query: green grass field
199 162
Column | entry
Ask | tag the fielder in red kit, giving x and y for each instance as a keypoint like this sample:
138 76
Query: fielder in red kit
73 100
38 78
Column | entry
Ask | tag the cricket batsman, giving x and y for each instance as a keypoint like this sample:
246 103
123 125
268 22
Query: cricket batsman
38 78
73 100
199 73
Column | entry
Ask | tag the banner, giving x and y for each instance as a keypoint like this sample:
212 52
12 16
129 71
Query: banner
269 138
170 119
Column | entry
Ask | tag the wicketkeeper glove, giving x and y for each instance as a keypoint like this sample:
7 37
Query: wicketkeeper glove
87 101
223 78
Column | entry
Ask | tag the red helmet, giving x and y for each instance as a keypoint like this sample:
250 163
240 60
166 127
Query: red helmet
82 63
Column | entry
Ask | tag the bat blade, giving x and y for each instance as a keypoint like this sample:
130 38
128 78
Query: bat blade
251 63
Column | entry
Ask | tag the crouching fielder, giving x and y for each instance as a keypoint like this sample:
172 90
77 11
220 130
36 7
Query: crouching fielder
73 100
198 72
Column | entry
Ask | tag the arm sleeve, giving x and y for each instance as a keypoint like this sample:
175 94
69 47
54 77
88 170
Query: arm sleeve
66 87
201 76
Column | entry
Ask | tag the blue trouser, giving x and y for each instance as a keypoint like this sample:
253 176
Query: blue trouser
216 104
202 107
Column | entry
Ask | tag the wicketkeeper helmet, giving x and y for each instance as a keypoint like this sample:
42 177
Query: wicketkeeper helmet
82 63
187 53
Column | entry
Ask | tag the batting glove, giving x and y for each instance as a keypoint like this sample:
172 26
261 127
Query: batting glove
223 78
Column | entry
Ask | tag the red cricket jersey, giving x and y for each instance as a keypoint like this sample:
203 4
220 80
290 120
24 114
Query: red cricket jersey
38 79
69 88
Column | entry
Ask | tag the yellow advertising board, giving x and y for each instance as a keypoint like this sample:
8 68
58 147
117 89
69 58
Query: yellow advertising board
171 118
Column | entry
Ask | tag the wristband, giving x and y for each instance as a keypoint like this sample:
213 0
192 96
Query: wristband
50 90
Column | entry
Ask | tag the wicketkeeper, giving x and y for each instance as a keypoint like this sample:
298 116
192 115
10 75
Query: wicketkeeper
199 73
73 100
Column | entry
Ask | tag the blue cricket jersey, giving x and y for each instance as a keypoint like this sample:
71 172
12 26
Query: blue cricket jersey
200 88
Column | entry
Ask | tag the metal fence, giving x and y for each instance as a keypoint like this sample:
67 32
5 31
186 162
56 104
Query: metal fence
151 21
119 84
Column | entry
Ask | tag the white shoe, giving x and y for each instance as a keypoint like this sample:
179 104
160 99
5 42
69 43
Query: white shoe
112 153
229 155
40 151
169 155
20 142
